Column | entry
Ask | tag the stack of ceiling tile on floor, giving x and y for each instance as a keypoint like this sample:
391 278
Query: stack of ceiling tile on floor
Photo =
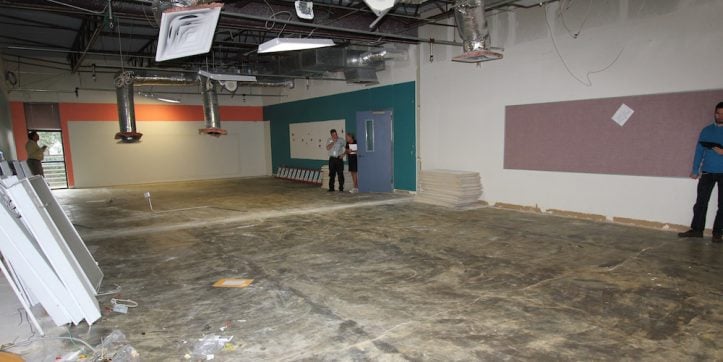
450 188
348 182
43 257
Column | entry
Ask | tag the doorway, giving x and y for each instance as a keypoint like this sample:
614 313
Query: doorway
374 143
54 159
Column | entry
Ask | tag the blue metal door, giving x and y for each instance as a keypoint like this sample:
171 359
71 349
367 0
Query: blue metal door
374 142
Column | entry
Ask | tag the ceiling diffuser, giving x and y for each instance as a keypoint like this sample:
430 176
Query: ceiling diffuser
187 31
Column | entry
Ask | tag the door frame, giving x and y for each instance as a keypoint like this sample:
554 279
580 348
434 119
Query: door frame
62 145
390 111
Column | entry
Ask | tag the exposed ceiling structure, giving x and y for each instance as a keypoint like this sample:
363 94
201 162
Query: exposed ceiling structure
104 35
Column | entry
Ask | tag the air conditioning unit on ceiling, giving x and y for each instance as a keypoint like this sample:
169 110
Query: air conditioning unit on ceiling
186 31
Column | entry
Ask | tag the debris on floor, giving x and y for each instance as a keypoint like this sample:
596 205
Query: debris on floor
232 283
208 346
10 357
115 347
122 305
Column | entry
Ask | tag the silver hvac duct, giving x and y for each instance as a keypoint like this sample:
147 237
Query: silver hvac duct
124 83
287 83
165 79
471 24
210 108
376 56
126 109
472 27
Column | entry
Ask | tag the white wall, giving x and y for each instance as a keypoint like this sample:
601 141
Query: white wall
169 151
663 46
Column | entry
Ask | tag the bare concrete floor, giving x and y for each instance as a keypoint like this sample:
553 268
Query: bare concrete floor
378 277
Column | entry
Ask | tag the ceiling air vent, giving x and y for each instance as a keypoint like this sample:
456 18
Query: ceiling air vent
187 31
477 56
472 27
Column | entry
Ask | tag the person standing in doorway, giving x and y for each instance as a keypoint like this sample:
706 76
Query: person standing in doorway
35 154
708 169
335 146
351 149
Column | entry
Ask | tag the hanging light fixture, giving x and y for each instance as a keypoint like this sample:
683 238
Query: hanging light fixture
159 98
289 44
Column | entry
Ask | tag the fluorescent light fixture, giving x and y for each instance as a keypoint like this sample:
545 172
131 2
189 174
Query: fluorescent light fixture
168 100
187 31
288 44
159 98
224 76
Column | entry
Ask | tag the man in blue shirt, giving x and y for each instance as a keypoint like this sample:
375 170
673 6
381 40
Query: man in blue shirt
708 169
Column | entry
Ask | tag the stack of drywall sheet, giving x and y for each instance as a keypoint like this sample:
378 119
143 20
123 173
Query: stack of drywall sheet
348 182
450 188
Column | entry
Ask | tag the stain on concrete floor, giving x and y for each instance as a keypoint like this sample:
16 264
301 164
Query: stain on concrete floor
378 277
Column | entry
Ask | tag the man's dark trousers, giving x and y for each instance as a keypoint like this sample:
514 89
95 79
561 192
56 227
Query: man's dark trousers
700 209
336 167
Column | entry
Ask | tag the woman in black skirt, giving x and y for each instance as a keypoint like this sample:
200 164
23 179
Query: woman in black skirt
351 157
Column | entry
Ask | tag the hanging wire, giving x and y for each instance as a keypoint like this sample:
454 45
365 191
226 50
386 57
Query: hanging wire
587 82
154 26
273 16
561 14
120 47
78 7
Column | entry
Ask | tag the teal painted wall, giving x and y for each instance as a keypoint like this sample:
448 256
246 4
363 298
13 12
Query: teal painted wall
400 98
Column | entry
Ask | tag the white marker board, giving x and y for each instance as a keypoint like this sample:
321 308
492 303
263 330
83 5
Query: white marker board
308 139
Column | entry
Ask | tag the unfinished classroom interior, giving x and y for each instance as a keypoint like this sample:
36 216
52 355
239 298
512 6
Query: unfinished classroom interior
523 170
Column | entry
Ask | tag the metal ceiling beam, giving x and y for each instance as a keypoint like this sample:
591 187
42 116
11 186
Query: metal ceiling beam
122 10
84 40
52 49
28 41
37 26
116 34
147 48
381 36
347 7
37 59
448 12
37 22
47 8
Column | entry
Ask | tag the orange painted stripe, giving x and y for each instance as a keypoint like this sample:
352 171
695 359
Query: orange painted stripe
87 112
236 113
157 112
20 130
63 111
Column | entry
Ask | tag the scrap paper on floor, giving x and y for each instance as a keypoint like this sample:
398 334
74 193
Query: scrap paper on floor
232 283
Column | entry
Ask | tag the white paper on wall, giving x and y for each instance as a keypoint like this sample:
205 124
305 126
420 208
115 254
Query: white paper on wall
623 114
308 139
